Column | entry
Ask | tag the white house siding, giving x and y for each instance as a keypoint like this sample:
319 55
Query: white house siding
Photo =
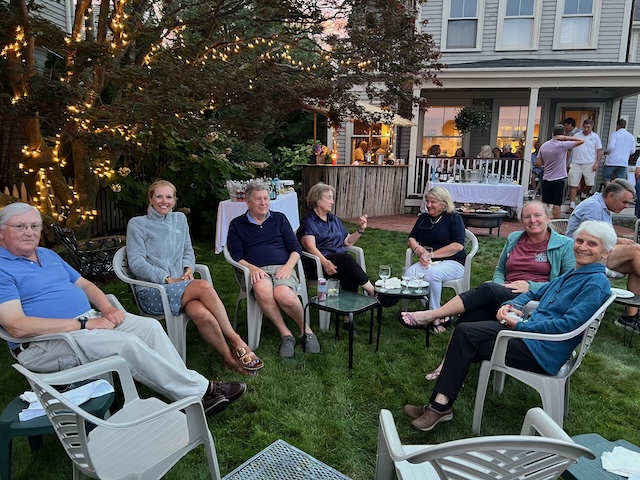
629 107
612 34
54 11
431 11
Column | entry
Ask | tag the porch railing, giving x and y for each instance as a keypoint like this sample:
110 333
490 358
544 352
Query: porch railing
451 169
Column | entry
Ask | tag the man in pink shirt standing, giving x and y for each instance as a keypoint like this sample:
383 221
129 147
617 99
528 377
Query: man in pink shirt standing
553 155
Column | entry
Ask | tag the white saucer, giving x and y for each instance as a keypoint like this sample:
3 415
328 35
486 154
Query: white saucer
414 284
622 293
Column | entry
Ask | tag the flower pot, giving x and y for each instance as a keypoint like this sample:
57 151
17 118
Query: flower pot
319 159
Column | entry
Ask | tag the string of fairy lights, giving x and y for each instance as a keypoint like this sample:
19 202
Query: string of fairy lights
79 114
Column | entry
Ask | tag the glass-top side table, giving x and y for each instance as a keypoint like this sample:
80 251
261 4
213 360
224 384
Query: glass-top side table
350 304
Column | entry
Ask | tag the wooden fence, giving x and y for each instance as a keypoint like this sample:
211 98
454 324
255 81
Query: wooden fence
109 219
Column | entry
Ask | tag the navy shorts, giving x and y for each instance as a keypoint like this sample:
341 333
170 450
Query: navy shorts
553 191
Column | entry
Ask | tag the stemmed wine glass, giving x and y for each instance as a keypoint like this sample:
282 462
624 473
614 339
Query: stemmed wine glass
384 272
420 277
406 278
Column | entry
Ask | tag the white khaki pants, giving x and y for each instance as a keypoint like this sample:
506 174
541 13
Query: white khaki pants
141 341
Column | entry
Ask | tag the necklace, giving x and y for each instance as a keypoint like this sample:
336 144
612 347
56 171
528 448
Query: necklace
436 221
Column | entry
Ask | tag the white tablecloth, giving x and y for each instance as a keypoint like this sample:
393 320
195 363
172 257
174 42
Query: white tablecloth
228 210
501 194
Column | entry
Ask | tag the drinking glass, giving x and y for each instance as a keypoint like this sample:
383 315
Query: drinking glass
406 278
420 277
333 287
384 272
516 310
427 255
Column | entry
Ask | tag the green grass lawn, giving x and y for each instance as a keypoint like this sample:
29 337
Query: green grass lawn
315 403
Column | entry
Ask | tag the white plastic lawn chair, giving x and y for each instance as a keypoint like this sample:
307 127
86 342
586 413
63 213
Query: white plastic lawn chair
176 324
554 390
254 314
143 440
525 456
325 317
559 225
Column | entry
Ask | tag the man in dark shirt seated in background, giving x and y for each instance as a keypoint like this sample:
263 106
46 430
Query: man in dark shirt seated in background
264 242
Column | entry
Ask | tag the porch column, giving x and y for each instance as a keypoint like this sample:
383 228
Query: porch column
413 145
636 120
615 115
528 140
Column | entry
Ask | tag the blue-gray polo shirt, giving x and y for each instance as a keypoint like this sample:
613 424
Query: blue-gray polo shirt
46 289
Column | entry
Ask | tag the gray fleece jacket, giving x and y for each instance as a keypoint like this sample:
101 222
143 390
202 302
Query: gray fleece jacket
159 246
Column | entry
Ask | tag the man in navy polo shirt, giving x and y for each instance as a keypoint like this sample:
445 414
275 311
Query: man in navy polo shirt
264 242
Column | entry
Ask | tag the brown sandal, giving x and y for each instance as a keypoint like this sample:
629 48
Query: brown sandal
248 360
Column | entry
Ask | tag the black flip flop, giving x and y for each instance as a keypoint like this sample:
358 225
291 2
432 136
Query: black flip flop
406 325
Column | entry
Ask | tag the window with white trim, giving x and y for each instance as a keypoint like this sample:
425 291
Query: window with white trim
576 24
439 128
519 24
512 127
461 27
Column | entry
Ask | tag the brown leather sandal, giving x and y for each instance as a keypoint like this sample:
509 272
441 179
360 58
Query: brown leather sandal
248 360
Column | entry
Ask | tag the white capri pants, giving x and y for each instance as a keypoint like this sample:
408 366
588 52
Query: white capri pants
435 275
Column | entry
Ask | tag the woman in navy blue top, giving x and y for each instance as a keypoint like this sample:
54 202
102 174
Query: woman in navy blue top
443 230
323 235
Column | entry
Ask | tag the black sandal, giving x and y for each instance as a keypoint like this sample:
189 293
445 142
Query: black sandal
413 323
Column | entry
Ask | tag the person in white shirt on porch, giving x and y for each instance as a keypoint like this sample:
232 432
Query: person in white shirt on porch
585 160
620 147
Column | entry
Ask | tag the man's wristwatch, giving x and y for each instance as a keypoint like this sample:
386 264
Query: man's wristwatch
83 322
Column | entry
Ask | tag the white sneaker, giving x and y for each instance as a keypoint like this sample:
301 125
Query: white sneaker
572 205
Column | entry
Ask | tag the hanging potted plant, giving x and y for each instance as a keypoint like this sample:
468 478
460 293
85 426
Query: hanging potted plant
473 117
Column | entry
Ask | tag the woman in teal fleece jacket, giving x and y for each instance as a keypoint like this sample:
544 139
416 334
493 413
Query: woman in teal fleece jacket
565 303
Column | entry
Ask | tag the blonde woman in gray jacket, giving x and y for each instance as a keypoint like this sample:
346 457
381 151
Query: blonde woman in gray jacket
159 250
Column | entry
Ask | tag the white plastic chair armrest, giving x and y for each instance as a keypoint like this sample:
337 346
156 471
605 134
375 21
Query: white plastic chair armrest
164 297
316 259
408 257
178 405
538 422
115 302
93 369
500 348
390 433
67 337
101 367
359 253
242 268
203 271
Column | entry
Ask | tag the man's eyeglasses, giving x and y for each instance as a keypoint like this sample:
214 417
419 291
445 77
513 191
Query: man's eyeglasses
21 227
